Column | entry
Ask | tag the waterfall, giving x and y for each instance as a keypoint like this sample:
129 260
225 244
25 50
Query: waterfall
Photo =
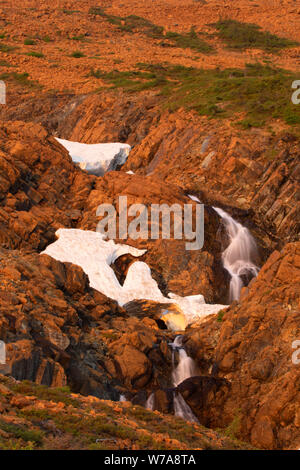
186 368
175 346
238 256
182 409
150 402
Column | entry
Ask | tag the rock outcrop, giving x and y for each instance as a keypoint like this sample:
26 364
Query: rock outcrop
40 188
58 330
252 348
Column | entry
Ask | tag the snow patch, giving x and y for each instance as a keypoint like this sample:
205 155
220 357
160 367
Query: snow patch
194 198
95 255
97 159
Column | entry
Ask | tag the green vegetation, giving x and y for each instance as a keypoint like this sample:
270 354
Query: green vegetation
73 426
69 12
77 54
21 432
220 316
116 20
270 155
79 38
234 427
59 394
131 81
20 78
260 92
4 63
246 35
46 39
89 429
109 335
29 42
6 47
133 24
189 40
35 54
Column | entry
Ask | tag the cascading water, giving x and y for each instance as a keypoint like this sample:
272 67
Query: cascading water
150 402
237 260
186 368
238 256
182 409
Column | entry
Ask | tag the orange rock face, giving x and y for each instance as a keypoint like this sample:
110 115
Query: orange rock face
252 348
255 352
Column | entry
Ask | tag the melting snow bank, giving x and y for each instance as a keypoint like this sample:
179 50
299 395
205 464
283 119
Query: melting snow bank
94 255
97 159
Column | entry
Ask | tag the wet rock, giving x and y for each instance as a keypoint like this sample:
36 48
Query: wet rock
200 393
256 355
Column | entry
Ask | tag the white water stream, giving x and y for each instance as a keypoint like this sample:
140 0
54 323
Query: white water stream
186 368
150 402
239 255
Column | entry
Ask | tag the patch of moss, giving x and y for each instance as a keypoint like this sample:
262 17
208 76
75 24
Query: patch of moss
270 155
77 54
29 42
258 90
69 12
35 54
81 38
98 11
234 427
220 316
32 413
239 35
6 48
59 394
21 432
190 40
134 23
131 81
46 39
12 444
4 63
20 78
